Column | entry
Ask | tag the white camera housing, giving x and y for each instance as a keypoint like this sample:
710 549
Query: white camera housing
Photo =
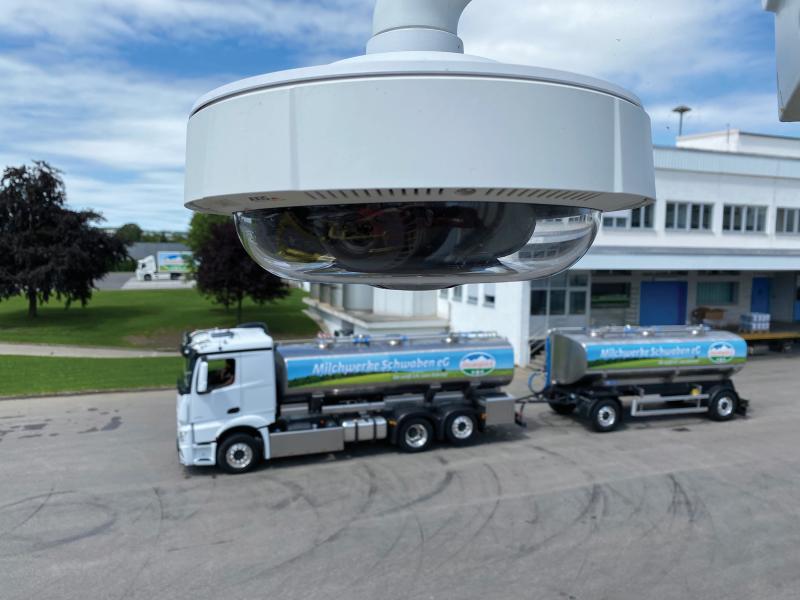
415 166
787 34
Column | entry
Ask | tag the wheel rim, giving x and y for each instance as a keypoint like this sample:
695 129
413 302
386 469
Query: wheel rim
416 436
725 406
462 427
606 416
239 456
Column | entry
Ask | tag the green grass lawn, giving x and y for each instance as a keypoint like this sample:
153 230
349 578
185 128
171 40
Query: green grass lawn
34 375
152 319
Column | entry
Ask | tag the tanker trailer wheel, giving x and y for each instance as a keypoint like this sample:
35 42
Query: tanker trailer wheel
606 415
722 404
460 429
238 454
562 409
415 435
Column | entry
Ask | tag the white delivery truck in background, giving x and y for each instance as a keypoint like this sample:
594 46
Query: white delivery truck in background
166 264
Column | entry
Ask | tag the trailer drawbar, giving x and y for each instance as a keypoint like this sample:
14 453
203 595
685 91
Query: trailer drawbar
243 398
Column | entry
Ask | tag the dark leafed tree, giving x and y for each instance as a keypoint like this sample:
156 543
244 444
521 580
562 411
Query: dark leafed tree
225 272
47 250
129 233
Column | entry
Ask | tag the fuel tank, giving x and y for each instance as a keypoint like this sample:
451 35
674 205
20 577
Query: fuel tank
362 365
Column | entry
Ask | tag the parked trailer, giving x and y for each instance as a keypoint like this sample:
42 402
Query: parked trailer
244 398
665 370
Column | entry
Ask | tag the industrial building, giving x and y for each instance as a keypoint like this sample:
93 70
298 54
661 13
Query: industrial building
723 235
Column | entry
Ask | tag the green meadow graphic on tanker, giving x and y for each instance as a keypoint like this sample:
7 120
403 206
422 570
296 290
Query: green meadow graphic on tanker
665 354
385 367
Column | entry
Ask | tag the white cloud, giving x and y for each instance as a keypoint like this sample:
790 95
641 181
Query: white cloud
82 22
118 132
748 111
110 130
644 44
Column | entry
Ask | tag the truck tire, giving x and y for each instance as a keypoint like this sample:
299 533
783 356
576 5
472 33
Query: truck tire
415 435
238 454
562 409
606 415
148 277
722 404
460 429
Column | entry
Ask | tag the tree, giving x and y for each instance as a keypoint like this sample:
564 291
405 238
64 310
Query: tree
129 233
46 249
200 229
228 275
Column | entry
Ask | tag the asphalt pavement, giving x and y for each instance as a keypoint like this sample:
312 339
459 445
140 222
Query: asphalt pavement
93 504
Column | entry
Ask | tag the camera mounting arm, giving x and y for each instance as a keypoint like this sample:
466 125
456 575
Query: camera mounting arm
417 25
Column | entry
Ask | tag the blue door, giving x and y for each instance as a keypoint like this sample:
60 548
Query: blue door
759 301
663 303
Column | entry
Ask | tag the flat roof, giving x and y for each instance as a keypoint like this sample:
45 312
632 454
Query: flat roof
641 258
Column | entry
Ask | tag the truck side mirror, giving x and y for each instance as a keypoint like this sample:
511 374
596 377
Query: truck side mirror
202 377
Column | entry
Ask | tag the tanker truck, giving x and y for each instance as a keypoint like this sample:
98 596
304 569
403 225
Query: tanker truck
244 398
663 370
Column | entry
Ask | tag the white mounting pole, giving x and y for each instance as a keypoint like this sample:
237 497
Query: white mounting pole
421 25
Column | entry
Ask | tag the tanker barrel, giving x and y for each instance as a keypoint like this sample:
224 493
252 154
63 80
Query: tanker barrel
372 365
630 353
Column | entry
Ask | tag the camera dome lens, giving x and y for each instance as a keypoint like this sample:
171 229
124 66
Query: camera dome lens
417 245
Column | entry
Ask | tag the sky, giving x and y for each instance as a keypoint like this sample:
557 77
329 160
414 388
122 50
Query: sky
102 89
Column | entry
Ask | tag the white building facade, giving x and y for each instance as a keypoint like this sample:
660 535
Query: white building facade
723 234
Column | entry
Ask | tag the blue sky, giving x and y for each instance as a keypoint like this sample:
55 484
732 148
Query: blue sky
102 88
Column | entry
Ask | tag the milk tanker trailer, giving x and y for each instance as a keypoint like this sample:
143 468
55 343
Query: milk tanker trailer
663 370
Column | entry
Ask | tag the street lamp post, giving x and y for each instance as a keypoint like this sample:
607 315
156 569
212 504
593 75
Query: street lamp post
681 110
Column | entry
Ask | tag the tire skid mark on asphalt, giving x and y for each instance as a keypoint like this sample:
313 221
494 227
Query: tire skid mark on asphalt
316 545
382 556
437 490
45 498
154 546
484 523
88 533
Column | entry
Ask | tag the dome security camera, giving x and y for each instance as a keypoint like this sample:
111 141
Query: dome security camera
416 166
787 43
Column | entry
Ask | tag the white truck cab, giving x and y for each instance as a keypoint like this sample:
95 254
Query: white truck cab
228 387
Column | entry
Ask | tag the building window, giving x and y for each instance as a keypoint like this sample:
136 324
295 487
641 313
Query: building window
472 293
561 295
458 293
788 220
538 303
611 295
488 294
717 293
577 303
444 294
744 219
558 302
638 218
688 216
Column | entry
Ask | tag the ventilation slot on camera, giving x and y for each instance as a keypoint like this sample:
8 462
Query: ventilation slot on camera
409 194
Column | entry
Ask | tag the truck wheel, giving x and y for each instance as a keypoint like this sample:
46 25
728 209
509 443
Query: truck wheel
460 429
415 435
238 454
606 415
148 277
562 409
722 404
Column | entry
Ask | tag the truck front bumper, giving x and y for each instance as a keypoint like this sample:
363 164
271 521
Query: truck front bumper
195 455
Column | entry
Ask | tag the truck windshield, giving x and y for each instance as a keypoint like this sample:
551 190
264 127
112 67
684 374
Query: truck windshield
185 380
